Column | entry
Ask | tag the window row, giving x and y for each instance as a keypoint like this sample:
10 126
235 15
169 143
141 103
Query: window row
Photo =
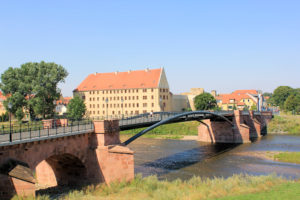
125 98
129 105
125 91
119 112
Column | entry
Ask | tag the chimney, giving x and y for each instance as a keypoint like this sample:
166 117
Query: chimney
129 71
147 70
116 72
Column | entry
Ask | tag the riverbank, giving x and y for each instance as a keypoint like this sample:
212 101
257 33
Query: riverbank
285 124
168 131
289 157
235 187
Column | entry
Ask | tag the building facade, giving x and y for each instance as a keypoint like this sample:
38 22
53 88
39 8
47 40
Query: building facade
61 105
125 93
241 100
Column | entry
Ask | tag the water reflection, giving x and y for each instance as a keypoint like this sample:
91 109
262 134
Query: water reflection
171 159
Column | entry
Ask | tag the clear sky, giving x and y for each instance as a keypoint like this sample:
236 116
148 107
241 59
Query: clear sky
222 45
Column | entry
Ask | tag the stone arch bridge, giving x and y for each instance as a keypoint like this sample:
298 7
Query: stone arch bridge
93 154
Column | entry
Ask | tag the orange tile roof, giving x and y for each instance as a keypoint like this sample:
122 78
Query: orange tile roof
225 98
2 97
64 100
121 80
245 92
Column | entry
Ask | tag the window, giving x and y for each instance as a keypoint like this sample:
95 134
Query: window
144 97
160 90
90 92
97 98
129 98
90 105
129 105
83 98
103 92
152 104
144 90
97 105
103 105
90 112
90 99
93 98
152 90
93 112
113 112
103 112
152 97
125 91
110 98
125 105
144 111
133 105
137 105
164 97
128 91
137 90
114 98
144 104
110 91
132 97
118 98
111 105
103 98
131 112
136 112
125 98
137 97
98 112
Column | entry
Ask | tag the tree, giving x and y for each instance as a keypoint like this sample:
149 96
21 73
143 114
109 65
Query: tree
33 87
76 108
280 94
205 101
292 103
253 107
19 114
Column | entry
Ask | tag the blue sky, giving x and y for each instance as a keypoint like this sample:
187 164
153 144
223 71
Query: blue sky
222 45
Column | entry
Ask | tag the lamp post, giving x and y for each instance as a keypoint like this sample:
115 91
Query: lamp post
106 101
122 100
10 107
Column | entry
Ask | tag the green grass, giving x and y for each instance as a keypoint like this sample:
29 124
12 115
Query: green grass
169 131
285 124
291 157
286 191
195 188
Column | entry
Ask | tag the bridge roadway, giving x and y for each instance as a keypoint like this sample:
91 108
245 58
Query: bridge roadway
139 121
145 120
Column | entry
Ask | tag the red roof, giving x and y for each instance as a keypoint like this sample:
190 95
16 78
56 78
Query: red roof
2 97
65 100
121 80
245 92
225 98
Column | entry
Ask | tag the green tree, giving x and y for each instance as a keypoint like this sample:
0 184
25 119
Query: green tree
280 94
292 103
19 114
205 101
253 107
33 86
76 108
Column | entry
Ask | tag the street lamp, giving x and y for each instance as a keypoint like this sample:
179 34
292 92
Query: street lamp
122 100
10 107
106 101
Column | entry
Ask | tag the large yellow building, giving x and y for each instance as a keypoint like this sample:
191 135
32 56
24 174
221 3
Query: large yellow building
125 93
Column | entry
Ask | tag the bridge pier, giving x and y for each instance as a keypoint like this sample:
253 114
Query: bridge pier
246 127
91 157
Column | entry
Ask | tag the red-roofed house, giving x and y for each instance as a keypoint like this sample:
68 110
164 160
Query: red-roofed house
239 99
128 93
61 105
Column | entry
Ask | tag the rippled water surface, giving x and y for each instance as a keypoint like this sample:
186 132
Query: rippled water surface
171 159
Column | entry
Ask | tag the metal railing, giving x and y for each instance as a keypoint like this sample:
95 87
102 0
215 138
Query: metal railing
37 130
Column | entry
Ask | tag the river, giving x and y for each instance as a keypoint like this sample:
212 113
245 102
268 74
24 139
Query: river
172 159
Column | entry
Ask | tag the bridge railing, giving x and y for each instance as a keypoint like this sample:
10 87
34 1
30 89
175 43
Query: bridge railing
34 130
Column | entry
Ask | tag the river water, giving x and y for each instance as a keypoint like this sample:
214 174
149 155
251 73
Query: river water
172 159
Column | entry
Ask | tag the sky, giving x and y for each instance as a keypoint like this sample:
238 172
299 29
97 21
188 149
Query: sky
215 45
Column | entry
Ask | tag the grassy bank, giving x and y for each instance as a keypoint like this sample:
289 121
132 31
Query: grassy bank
195 188
285 124
169 131
291 157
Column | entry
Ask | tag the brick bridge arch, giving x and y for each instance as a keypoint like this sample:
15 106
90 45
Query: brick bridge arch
71 160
